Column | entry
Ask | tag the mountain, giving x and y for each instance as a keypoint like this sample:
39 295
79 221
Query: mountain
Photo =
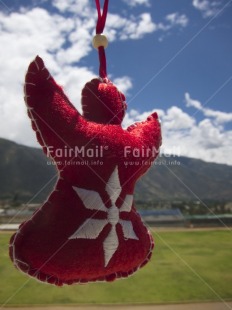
26 175
183 178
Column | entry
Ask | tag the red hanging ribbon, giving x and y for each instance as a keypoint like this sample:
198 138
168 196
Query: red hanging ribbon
99 29
101 17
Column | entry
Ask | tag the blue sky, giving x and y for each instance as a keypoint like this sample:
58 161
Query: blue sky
173 56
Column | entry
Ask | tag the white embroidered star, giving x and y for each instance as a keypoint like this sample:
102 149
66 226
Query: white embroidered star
91 228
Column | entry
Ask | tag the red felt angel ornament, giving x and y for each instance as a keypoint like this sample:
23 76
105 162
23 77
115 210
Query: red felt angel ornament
88 229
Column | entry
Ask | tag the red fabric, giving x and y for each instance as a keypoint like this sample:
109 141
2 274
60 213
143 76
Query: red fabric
101 16
88 229
102 62
99 29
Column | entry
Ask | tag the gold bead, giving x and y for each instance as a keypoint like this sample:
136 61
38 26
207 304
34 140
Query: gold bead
100 40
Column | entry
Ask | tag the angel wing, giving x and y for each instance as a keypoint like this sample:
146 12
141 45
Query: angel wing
52 115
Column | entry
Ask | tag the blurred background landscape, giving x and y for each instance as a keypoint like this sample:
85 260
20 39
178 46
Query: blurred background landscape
176 191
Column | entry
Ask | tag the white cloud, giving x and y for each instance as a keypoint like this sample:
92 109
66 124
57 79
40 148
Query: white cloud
210 135
218 116
123 83
176 119
206 7
144 25
73 80
117 27
171 21
80 43
129 28
177 19
78 7
183 135
191 102
136 27
133 3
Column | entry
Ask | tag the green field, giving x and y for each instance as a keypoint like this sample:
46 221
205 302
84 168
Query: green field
185 267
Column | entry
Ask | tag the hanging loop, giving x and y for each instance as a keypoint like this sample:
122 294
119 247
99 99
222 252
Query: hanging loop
100 41
101 17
